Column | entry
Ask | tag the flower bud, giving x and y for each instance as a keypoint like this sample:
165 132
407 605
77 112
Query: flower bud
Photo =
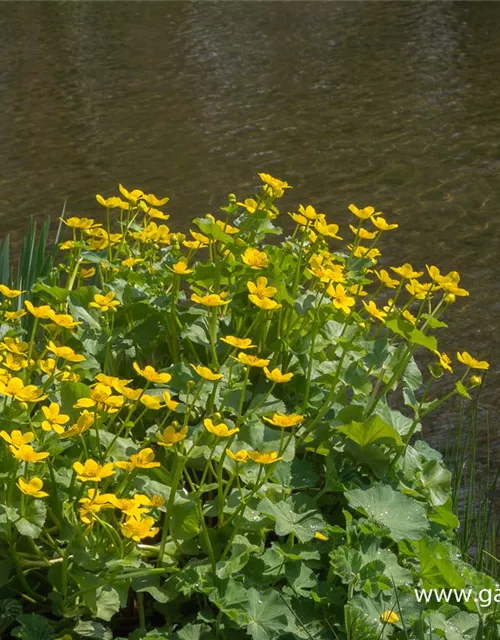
190 384
232 198
449 298
475 381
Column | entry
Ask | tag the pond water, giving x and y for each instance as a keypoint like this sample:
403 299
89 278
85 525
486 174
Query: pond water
394 104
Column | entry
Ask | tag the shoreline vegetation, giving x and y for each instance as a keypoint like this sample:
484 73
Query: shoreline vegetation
216 434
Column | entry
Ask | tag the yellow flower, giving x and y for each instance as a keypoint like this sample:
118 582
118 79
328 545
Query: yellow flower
276 376
101 396
169 403
227 228
238 456
284 421
199 237
32 487
419 290
239 343
80 223
87 273
363 214
105 303
389 617
300 219
267 304
14 345
48 366
191 244
206 373
84 422
320 536
131 394
66 353
131 262
44 312
250 205
171 436
92 471
131 196
382 224
260 289
26 453
374 311
151 374
221 430
325 229
16 438
65 246
15 362
340 298
406 271
15 388
251 361
255 258
151 199
137 529
273 186
181 268
466 359
267 457
211 300
145 459
409 316
112 203
386 279
357 290
475 381
134 507
15 315
112 381
364 252
444 361
154 213
363 233
65 320
151 402
93 502
309 212
53 418
10 293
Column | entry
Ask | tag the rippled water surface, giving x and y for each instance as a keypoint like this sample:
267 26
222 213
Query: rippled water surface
395 104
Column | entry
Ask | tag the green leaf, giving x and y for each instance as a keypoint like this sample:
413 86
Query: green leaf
461 390
33 627
108 602
241 550
51 294
184 520
437 480
411 334
267 614
91 629
32 522
439 566
194 632
297 515
372 430
402 516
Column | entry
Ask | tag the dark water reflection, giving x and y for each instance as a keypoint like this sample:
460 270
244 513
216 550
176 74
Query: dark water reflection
395 104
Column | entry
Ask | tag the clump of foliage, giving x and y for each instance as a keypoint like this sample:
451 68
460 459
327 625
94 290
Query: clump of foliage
208 436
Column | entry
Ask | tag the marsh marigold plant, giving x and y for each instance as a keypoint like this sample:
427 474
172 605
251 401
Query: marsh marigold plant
213 432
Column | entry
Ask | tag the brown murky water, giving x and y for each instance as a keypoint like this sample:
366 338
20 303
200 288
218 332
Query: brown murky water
394 104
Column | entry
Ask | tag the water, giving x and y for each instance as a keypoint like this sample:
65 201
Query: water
394 104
